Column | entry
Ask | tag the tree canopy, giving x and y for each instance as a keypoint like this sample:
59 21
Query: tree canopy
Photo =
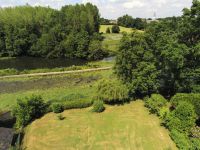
130 22
165 58
45 32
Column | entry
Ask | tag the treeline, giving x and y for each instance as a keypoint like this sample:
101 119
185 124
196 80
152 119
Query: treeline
130 22
71 32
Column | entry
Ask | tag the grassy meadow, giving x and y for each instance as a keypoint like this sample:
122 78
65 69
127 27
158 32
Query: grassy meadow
119 127
51 87
122 29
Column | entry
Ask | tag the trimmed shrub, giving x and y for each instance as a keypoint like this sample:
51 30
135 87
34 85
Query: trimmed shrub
57 108
155 103
77 104
108 30
98 106
28 109
194 99
112 92
115 29
182 118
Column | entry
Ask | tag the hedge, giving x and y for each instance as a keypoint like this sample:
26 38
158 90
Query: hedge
194 99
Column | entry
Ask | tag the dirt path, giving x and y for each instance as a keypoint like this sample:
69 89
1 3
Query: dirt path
56 73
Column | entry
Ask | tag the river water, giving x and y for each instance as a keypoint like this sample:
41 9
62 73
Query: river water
28 63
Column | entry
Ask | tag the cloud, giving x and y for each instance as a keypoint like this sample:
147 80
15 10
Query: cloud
133 4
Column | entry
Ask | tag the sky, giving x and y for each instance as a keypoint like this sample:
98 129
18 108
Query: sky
113 9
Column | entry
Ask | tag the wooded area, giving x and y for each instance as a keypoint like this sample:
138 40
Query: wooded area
71 32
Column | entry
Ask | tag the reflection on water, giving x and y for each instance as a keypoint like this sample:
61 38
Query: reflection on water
27 63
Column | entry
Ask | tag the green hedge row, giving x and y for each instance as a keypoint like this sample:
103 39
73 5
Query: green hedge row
194 99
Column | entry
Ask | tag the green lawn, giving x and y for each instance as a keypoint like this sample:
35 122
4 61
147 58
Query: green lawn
119 127
111 42
51 87
122 29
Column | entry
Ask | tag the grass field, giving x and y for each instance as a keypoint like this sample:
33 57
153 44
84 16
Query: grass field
50 88
128 127
122 29
111 42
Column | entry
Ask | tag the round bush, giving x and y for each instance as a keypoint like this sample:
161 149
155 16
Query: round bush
57 108
98 106
115 29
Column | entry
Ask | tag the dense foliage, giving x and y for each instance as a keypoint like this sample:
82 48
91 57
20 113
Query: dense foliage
112 91
115 29
130 22
182 118
57 108
29 109
192 98
163 59
108 30
104 21
155 103
45 32
98 106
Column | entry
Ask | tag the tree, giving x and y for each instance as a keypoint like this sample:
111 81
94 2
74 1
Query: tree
135 65
130 22
45 32
96 51
108 30
115 29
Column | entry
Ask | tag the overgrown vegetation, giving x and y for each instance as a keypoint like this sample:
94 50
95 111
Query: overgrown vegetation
112 92
181 119
28 109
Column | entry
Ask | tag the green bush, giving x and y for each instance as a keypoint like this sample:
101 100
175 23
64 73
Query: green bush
112 91
77 104
28 109
98 106
155 103
181 140
182 118
115 29
57 108
108 30
195 143
194 99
